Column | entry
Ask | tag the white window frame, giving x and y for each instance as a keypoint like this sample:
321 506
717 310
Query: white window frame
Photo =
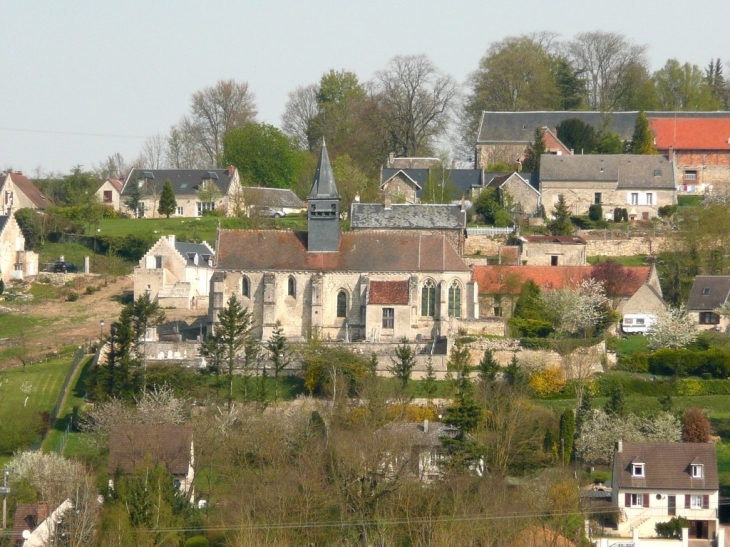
695 501
637 470
637 500
697 471
202 206
179 211
649 198
634 198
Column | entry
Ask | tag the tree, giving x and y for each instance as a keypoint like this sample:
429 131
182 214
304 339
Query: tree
514 374
209 193
613 276
403 363
263 155
279 354
717 83
583 308
561 224
168 203
183 151
535 150
153 153
605 60
133 199
233 328
487 367
683 87
417 100
584 411
577 135
464 414
429 382
300 112
695 426
567 434
642 141
673 329
616 404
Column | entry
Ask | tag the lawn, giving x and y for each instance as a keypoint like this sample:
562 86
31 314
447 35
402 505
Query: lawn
75 253
18 324
631 344
689 201
635 260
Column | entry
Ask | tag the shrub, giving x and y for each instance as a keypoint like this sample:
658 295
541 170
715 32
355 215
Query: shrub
2 286
90 289
695 426
671 528
595 212
667 210
547 381
197 541
72 296
531 328
686 362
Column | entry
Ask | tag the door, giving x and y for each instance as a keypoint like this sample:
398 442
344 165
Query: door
672 506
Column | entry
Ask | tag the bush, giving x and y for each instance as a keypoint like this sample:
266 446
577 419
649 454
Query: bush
595 212
72 296
531 328
2 286
671 528
90 289
686 362
197 541
667 210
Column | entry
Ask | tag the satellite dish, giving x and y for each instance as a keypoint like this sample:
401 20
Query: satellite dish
26 534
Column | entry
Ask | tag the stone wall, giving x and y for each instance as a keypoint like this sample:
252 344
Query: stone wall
629 246
483 245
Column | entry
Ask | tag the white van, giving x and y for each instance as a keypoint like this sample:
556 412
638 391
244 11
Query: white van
637 323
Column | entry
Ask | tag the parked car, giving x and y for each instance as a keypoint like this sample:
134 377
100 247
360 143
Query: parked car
271 212
65 267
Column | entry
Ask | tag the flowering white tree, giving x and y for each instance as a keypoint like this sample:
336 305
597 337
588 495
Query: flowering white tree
673 329
577 309
600 433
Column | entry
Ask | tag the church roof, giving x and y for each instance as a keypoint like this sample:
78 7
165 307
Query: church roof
362 251
323 185
407 216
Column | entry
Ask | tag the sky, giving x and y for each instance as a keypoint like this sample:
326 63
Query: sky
84 79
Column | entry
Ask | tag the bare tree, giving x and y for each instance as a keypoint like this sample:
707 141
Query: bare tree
183 151
152 155
300 111
417 100
604 59
216 110
113 167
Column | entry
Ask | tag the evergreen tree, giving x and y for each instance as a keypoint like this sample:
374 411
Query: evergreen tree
429 382
280 355
168 204
514 374
261 391
567 434
584 411
616 404
488 367
403 363
465 415
642 141
233 329
561 224
133 199
535 149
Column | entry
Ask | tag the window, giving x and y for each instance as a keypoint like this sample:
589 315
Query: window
107 196
497 311
628 321
428 299
597 198
342 304
649 198
637 469
554 260
709 318
696 471
158 262
246 287
706 290
639 320
179 211
388 318
203 207
292 287
634 198
695 502
455 300
637 500
690 175
657 172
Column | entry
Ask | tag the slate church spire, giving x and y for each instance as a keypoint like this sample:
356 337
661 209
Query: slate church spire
323 212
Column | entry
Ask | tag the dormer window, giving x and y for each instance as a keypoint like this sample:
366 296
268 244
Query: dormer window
706 290
637 469
697 472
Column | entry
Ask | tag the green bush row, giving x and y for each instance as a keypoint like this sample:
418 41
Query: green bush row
685 362
561 345
605 384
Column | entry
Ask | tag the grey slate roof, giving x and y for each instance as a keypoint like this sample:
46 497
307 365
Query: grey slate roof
3 222
666 466
407 217
200 249
463 179
323 184
628 170
709 292
519 127
272 197
184 181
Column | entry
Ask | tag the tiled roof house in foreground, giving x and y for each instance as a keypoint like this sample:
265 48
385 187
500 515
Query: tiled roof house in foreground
377 285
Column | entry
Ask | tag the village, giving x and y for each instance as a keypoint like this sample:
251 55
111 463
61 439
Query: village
295 337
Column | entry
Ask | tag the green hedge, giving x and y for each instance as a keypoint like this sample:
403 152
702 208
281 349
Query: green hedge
685 362
604 384
561 345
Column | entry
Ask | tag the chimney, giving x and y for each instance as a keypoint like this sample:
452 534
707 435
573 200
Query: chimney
619 446
357 197
231 169
425 426
388 202
391 157
463 203
171 239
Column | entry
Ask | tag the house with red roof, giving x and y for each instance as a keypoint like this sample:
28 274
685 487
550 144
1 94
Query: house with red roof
109 193
699 147
373 284
18 192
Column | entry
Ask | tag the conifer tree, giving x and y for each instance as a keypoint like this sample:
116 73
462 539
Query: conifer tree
561 225
488 366
429 382
642 141
280 355
168 204
567 434
535 149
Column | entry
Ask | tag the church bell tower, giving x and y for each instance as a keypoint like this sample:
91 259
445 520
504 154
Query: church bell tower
323 212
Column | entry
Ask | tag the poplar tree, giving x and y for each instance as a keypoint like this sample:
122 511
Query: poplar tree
642 141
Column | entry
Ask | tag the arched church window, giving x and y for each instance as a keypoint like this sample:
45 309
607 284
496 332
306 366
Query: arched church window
455 300
292 287
246 287
428 299
342 304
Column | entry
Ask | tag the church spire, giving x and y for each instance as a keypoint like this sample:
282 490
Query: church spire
323 185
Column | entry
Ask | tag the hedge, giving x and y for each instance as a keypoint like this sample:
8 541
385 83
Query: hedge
603 385
684 362
560 345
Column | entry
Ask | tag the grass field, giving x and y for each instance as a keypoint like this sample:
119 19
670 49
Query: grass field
717 406
75 253
689 201
632 344
15 325
636 260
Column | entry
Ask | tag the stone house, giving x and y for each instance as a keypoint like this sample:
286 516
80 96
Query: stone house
653 482
699 148
374 285
520 190
639 183
175 274
196 191
135 448
449 220
552 250
18 192
708 293
15 261
408 184
110 193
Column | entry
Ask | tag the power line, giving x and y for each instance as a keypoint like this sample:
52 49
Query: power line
75 133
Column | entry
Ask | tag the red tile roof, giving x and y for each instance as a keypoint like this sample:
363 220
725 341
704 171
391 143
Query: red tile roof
27 517
388 292
361 251
25 185
117 184
133 447
691 133
553 142
509 279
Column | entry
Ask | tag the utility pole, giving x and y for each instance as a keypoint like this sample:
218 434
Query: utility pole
5 490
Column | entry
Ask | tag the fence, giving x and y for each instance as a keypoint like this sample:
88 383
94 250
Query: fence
488 231
78 359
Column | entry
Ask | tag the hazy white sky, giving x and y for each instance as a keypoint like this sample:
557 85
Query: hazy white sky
83 79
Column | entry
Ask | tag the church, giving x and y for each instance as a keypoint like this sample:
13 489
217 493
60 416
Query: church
378 285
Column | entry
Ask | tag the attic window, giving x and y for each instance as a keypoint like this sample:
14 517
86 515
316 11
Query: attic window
697 471
148 174
212 175
524 126
657 172
637 469
706 290
184 185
